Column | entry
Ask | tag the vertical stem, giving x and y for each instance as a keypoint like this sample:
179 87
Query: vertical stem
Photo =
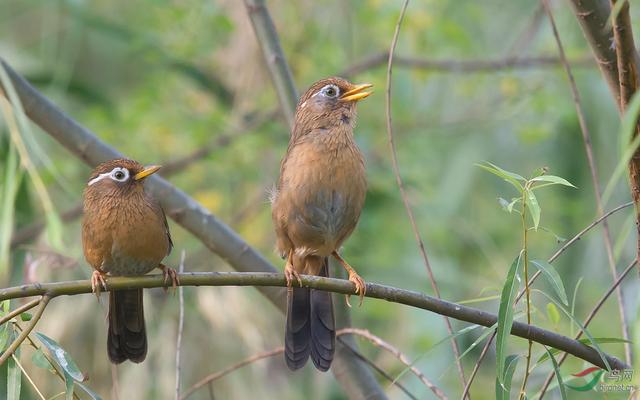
525 255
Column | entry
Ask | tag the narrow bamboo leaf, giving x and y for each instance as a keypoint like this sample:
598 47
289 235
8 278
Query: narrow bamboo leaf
4 328
505 317
478 340
534 208
553 314
592 341
61 357
88 391
556 370
513 203
69 385
506 175
552 179
14 378
39 360
503 390
553 278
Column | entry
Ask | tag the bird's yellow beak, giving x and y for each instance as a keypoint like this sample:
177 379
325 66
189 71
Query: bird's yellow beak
356 93
152 169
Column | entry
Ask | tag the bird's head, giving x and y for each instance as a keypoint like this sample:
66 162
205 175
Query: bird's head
329 103
119 176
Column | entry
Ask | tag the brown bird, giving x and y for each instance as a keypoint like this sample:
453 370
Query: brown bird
124 233
315 207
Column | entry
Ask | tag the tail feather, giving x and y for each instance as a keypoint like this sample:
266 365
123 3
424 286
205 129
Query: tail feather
127 337
310 329
297 339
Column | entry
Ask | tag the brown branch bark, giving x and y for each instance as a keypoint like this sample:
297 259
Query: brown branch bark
343 286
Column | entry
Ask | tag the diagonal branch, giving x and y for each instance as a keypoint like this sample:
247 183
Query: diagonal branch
376 291
274 57
25 332
403 194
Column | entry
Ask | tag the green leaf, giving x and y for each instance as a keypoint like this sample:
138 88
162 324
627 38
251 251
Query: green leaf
579 324
39 360
510 177
552 312
4 328
534 208
14 378
503 390
556 370
505 317
61 357
554 279
25 316
556 180
88 391
513 203
69 385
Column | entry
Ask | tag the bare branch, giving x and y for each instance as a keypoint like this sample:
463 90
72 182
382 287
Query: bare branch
460 66
274 57
25 332
377 291
377 341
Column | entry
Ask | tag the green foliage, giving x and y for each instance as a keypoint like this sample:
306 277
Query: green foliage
505 319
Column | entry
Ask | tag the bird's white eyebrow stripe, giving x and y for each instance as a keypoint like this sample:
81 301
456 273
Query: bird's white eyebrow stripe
98 178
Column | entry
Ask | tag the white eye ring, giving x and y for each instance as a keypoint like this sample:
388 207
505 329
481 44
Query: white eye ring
119 174
331 91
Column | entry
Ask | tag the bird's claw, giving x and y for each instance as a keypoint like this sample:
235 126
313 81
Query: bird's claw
290 274
98 280
170 273
361 287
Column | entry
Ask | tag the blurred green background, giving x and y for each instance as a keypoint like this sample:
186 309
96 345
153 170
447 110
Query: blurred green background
161 79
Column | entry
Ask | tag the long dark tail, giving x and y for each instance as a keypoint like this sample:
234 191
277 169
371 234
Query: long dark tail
310 329
127 337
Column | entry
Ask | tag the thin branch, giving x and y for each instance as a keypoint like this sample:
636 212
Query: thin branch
180 327
23 308
586 138
217 375
25 332
589 318
379 370
460 66
403 194
267 37
377 341
551 259
377 291
26 375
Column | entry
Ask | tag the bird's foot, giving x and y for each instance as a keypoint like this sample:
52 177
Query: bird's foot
169 273
290 274
361 286
98 279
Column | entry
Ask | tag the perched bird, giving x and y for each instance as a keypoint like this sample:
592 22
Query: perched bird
315 207
124 233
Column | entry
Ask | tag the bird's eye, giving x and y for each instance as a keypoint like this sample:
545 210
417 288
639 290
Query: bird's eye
120 174
331 90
